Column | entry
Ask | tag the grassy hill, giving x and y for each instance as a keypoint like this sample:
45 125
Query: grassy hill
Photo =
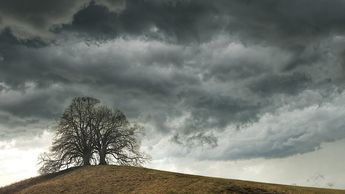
121 179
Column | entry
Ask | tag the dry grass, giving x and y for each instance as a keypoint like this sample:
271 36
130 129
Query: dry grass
121 179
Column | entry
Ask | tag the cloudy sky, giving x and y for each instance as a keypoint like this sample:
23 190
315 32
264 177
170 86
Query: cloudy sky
242 89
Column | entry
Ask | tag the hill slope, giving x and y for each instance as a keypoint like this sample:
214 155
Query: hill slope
121 179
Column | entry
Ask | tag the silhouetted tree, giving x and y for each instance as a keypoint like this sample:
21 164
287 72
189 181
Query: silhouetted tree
73 143
87 129
115 138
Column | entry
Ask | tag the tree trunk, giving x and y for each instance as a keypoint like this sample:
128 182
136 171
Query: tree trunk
86 161
102 156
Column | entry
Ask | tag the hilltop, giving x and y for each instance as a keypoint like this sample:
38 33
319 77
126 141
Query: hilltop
123 179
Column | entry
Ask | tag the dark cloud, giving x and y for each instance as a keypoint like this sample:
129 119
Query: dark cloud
188 69
179 21
196 140
288 24
291 24
41 105
36 18
8 39
288 84
215 110
96 21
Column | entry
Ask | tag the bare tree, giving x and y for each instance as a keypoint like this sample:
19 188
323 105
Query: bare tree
50 164
87 129
115 139
73 143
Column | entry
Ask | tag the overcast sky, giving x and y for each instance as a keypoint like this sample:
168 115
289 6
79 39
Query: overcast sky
245 89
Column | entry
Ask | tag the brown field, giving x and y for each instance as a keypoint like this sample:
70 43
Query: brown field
121 179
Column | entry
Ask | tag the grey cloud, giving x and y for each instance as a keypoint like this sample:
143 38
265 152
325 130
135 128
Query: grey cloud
212 109
296 132
117 67
290 24
12 127
288 84
293 129
37 19
118 79
8 39
175 21
222 63
196 140
166 85
95 20
31 103
41 106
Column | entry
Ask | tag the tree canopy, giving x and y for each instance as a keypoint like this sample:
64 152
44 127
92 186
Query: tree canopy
90 133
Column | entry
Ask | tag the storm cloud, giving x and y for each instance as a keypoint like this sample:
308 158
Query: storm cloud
233 79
